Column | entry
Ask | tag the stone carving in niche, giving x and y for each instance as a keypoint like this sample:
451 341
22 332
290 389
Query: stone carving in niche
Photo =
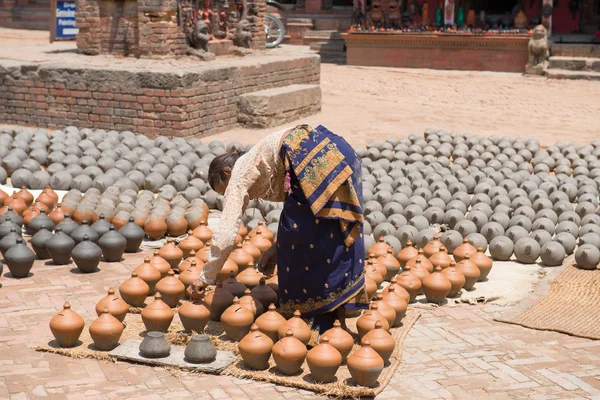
242 38
198 40
539 51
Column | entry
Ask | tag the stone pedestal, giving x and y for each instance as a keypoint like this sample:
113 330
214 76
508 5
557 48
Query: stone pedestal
313 5
297 28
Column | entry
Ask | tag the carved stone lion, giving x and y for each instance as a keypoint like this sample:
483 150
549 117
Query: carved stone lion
243 34
198 40
539 51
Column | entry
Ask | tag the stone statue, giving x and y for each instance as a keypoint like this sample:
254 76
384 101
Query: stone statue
198 40
394 18
376 14
243 34
539 51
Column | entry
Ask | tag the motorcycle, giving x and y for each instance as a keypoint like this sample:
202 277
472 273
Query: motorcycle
274 28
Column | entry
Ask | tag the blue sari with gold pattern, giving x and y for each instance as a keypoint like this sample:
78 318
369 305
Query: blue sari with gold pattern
320 247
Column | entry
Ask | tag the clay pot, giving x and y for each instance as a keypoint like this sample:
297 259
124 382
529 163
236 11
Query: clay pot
233 286
190 243
7 226
365 365
270 322
185 264
273 282
397 303
299 328
134 291
268 234
424 261
46 199
419 271
407 253
113 245
83 213
409 282
381 341
228 267
155 228
17 204
218 301
30 214
177 226
463 249
264 294
252 304
385 310
370 287
380 248
25 196
262 243
250 277
66 326
160 264
19 259
171 253
148 273
236 320
203 232
120 220
155 345
200 350
441 258
67 225
194 315
190 275
9 241
392 265
87 255
289 354
379 266
323 361
36 223
432 247
171 289
251 249
157 316
483 262
50 192
116 306
7 212
400 291
204 253
469 270
106 331
367 321
340 339
255 349
38 243
57 215
436 286
241 257
372 273
84 230
133 234
3 197
101 226
456 278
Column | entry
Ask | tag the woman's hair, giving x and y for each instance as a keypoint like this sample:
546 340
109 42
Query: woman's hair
216 171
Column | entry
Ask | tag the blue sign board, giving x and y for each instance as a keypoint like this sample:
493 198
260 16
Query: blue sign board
65 20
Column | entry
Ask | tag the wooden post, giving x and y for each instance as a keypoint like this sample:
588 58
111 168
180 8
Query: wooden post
52 20
547 15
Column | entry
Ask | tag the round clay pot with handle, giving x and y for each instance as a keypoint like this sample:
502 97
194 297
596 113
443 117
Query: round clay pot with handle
470 270
264 294
160 264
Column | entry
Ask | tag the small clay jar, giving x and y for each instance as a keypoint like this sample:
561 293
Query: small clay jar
289 354
424 261
204 253
19 259
66 326
243 231
155 228
419 271
399 290
255 349
157 316
381 341
370 287
155 345
432 247
233 286
10 240
133 234
185 264
3 197
299 328
483 262
380 248
160 264
177 225
252 304
406 254
236 320
194 315
365 365
251 249
134 291
262 243
409 282
38 243
106 331
323 361
190 275
83 230
436 286
101 226
218 301
228 267
86 255
190 243
372 273
241 257
116 306
367 321
200 350
17 204
250 277
46 199
148 273
50 192
171 253
30 214
379 266
470 270
6 227
203 232
36 223
441 258
273 282
264 294
385 310
465 248
456 278
25 195
270 322
113 245
397 303
392 265
340 339
171 289
67 225
57 215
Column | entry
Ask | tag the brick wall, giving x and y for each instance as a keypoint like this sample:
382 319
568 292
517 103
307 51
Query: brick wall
19 14
199 102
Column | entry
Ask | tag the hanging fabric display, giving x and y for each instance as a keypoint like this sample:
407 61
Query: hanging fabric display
449 12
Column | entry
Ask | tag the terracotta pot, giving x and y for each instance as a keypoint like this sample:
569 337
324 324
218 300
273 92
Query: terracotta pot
177 226
270 322
119 220
407 253
432 247
392 265
160 264
3 197
441 258
323 361
171 289
483 262
424 261
251 249
243 232
456 278
381 341
400 291
289 354
380 248
367 321
19 259
116 306
241 257
148 273
365 365
299 328
200 350
106 331
419 271
267 234
470 270
133 234
471 20
370 287
155 345
82 214
66 326
190 243
86 255
157 316
47 200
463 249
273 282
262 243
57 215
264 294
38 243
68 207
25 195
134 291
385 310
203 232
436 286
228 268
250 277
30 214
409 282
218 301
204 253
190 275
252 304
236 320
379 266
185 264
340 339
233 286
17 204
255 349
155 228
397 303
113 245
50 192
194 315
372 273
171 253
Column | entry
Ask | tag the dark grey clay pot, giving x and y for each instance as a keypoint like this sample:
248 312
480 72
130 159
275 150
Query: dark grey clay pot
133 234
101 226
16 218
60 246
113 245
155 345
83 230
38 242
36 224
7 225
87 255
200 350
9 240
67 225
19 259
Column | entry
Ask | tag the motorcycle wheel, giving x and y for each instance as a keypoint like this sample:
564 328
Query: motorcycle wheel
274 30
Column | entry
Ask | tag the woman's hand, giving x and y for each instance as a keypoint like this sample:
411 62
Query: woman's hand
196 290
268 260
